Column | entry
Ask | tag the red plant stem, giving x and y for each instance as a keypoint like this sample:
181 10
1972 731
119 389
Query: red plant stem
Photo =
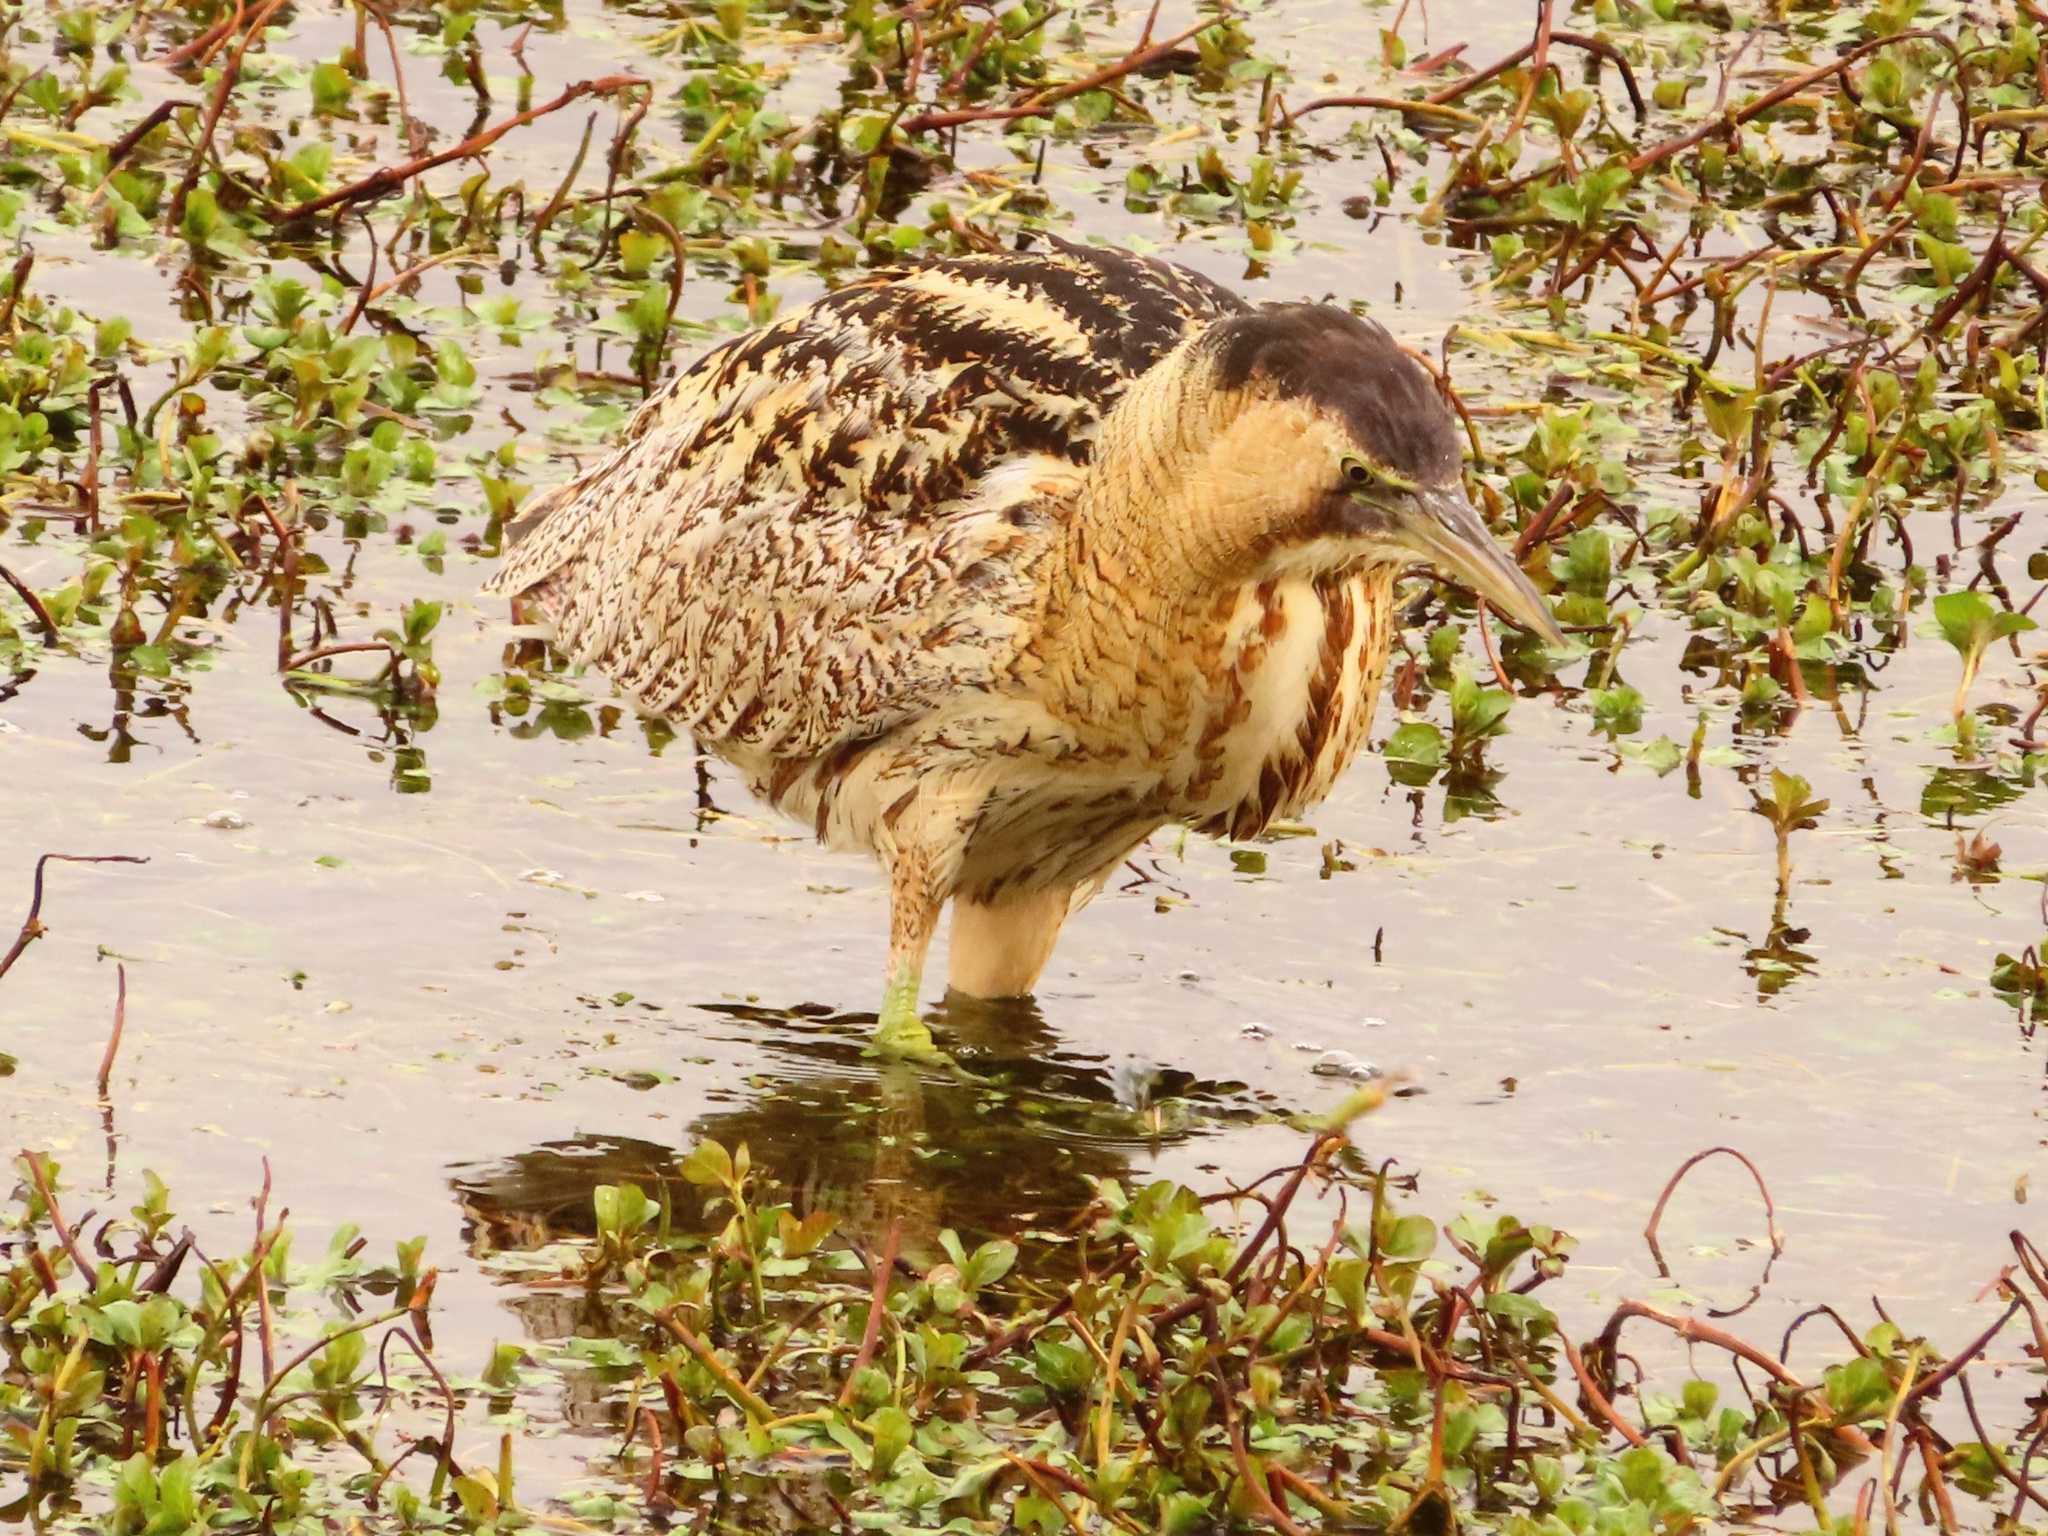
41 1176
878 1300
391 177
120 1021
1139 58
32 927
1784 91
44 622
1657 1215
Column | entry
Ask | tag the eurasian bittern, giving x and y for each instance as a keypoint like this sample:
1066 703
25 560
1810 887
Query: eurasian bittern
995 565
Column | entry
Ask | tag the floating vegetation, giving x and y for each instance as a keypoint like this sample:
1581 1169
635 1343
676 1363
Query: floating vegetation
1168 1361
300 303
1779 286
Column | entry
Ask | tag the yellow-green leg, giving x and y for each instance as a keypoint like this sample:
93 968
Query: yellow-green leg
901 1030
913 916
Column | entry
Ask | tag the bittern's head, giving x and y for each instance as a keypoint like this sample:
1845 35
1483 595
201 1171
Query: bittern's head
1330 447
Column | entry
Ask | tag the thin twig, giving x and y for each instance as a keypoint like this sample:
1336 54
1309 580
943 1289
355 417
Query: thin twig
17 285
1657 1214
1539 526
41 1177
323 652
204 43
1539 63
124 146
554 205
44 622
1692 1330
32 926
1291 115
708 1358
1935 1381
230 72
1500 673
120 1022
390 178
878 1302
1596 1399
1718 122
1138 59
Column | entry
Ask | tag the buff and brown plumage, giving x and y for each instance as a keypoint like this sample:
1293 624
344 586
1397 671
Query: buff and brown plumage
995 565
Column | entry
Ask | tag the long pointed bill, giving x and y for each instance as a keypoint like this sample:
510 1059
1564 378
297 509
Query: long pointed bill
1443 529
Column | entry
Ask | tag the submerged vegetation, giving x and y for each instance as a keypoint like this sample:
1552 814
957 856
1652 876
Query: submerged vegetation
1755 371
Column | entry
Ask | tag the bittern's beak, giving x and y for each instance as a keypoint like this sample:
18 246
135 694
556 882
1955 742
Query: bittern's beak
1443 530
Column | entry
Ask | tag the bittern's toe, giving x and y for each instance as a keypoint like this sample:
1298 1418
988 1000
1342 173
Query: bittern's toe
906 1039
901 1032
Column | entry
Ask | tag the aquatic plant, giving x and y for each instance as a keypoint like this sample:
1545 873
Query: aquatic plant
1173 1360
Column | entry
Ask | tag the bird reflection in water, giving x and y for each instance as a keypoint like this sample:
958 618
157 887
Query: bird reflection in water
1008 1151
1010 1148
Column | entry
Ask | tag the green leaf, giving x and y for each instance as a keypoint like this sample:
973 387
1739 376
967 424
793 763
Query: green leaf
1063 1369
991 1261
1728 411
1526 1310
1970 622
123 1323
502 1369
1617 711
331 86
420 619
622 1209
1858 1388
1659 756
177 1505
708 1165
892 1429
202 215
478 1492
638 252
1408 1237
1181 1513
1476 712
802 1237
1416 742
1700 1398
1790 803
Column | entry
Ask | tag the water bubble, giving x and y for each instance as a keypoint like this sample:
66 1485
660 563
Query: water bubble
227 821
1344 1064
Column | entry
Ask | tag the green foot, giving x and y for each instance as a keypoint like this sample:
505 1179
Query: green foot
901 1033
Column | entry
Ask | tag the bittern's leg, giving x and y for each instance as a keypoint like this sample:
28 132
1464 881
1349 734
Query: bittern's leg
913 916
999 947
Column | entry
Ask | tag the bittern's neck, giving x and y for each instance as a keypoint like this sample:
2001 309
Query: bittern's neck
1138 533
1143 579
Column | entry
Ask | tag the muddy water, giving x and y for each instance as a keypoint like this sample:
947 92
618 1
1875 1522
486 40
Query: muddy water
446 985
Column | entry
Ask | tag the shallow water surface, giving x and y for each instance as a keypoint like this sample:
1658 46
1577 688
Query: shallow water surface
447 980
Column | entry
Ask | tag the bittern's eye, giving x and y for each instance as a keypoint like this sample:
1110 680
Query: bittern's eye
1357 474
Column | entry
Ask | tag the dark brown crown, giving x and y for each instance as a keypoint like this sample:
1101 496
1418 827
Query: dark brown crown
1352 369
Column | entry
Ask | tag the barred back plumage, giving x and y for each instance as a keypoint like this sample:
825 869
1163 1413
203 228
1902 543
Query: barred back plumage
817 478
995 564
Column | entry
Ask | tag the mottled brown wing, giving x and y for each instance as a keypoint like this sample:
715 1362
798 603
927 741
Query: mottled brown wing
825 525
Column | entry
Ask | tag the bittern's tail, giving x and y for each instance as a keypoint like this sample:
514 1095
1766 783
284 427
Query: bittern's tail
539 541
